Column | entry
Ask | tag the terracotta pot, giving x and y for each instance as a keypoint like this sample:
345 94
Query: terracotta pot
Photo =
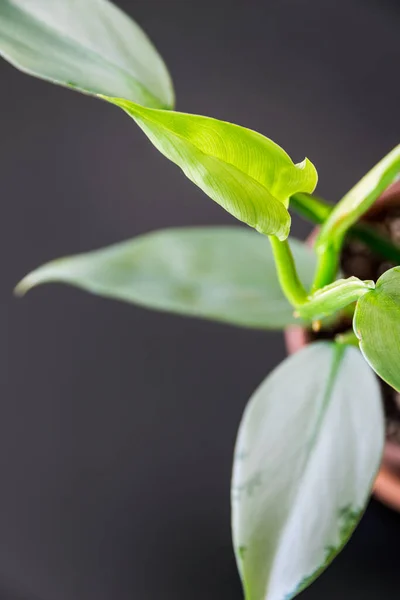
387 484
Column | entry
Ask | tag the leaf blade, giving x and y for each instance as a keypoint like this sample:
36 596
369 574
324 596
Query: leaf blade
359 199
334 297
91 46
219 273
246 173
296 493
377 325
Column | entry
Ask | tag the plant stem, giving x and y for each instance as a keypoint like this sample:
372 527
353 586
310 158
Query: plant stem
317 211
348 337
359 199
312 208
327 267
287 273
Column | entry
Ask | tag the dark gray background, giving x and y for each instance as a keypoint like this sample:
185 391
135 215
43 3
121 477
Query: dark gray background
117 424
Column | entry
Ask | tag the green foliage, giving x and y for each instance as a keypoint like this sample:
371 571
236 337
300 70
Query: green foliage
246 173
297 493
89 45
306 456
377 326
221 273
359 199
347 212
334 297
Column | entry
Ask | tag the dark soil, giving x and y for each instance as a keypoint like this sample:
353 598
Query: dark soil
357 259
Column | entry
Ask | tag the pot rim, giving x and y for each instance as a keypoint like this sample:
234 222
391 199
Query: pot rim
387 487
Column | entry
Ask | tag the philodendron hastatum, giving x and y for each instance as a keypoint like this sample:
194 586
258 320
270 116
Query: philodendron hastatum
312 434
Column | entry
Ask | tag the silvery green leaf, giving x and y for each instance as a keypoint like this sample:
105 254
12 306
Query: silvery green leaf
221 273
88 45
308 449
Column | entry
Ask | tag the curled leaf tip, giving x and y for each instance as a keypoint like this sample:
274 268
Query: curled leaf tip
25 285
306 164
21 289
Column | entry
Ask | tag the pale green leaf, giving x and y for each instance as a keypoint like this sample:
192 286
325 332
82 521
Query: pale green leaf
246 173
308 449
90 45
333 297
377 326
221 273
359 199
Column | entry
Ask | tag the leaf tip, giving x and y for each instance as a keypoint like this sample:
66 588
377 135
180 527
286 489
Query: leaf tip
25 285
22 288
284 233
307 165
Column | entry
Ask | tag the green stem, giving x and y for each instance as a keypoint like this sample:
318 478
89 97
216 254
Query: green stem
327 268
359 199
348 337
287 273
312 208
317 211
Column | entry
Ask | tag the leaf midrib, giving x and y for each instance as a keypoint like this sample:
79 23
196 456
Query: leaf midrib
338 354
223 163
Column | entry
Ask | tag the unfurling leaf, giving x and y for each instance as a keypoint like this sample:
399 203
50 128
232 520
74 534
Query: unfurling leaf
246 173
333 297
377 326
307 453
221 273
359 199
89 45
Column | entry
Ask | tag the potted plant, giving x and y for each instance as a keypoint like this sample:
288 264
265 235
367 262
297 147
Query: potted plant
294 505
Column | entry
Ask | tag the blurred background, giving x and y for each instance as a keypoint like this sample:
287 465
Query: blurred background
117 425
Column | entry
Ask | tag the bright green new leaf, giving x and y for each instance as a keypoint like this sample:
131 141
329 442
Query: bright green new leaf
334 297
359 199
221 273
246 173
90 45
308 449
377 326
